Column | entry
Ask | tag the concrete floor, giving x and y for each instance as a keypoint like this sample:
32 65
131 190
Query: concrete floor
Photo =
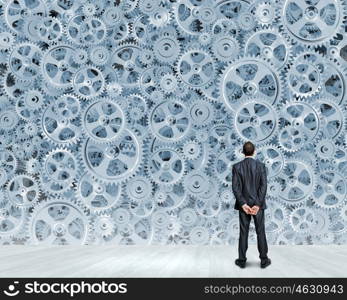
169 261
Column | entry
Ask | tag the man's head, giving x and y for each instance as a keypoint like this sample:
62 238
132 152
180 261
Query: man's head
248 149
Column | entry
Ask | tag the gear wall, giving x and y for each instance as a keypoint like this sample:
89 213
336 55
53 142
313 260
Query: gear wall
120 120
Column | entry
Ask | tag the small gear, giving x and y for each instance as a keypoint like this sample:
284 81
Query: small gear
168 83
114 89
99 55
196 68
297 182
80 57
192 149
139 188
167 48
273 157
88 9
195 183
188 217
7 40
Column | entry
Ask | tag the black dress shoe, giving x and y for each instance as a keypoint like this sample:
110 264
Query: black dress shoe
264 263
240 263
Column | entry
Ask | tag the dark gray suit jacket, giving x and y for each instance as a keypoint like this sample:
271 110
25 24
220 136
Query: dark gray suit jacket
249 183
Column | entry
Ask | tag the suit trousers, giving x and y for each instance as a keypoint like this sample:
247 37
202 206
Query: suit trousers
245 220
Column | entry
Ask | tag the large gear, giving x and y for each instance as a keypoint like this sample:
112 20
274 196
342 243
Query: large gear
266 12
117 160
196 68
17 11
167 48
97 196
194 17
313 22
12 218
88 82
304 75
169 120
59 222
60 123
47 29
125 60
299 122
60 169
297 182
249 77
255 120
58 66
103 120
23 191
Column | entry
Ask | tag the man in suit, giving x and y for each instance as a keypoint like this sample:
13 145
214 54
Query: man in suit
249 186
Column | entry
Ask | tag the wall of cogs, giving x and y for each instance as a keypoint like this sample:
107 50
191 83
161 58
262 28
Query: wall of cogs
120 120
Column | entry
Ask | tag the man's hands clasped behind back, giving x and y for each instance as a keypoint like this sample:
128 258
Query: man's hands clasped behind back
250 210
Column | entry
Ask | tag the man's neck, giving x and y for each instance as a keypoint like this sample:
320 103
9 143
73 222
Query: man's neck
250 156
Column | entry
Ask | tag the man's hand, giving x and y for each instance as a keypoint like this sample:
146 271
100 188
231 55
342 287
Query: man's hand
254 209
247 209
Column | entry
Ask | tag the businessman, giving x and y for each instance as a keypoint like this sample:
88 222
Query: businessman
249 184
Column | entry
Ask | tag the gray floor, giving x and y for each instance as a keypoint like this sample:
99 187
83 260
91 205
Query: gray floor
169 261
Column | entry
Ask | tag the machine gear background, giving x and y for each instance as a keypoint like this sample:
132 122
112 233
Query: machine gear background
120 120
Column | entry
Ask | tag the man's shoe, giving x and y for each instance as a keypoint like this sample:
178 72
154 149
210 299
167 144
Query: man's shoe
240 263
264 263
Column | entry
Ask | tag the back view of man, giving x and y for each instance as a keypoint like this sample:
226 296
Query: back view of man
249 184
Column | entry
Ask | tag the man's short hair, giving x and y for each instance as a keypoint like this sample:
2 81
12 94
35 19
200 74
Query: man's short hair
248 149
